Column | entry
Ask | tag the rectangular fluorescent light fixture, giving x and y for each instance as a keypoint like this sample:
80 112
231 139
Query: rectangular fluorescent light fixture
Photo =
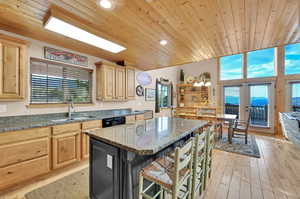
61 27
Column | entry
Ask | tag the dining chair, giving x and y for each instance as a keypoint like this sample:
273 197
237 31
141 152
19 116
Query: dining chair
241 127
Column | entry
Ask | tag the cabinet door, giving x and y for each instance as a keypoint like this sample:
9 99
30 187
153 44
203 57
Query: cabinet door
120 83
85 146
109 82
130 83
12 69
66 149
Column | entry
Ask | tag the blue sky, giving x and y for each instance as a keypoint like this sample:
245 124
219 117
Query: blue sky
292 59
260 63
231 67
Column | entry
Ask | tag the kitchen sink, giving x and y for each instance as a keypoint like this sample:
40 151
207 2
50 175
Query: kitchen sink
73 119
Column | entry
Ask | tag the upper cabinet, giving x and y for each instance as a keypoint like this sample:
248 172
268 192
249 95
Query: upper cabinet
13 68
114 83
130 83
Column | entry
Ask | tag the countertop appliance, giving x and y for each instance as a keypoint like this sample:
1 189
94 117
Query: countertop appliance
113 121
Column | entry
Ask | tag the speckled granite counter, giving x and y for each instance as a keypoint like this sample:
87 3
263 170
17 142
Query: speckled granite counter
290 126
14 123
148 136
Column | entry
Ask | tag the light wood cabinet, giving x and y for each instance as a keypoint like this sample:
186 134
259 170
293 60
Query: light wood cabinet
85 139
139 117
120 83
66 145
130 83
24 155
114 83
13 68
130 119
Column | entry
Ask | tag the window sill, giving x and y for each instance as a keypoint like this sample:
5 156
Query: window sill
56 105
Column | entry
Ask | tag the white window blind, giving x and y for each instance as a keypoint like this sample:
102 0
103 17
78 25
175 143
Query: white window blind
55 83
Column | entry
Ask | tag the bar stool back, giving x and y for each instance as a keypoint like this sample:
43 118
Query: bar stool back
199 163
174 176
210 141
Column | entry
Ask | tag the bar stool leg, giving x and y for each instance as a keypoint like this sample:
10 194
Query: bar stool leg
141 185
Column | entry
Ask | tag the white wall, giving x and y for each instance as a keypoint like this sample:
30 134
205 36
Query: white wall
195 69
36 50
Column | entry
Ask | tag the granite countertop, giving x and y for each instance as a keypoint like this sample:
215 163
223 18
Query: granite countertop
149 136
14 123
290 126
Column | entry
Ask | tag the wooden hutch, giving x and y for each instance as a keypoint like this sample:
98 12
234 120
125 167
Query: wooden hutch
194 102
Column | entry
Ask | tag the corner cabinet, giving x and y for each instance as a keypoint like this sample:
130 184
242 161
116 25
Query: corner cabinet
114 83
13 68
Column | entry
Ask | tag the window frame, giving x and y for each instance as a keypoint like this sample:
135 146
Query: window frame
168 95
54 104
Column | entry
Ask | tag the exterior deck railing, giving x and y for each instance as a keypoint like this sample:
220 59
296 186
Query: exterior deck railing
259 114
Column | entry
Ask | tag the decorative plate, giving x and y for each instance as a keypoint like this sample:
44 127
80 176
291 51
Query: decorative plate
139 90
144 79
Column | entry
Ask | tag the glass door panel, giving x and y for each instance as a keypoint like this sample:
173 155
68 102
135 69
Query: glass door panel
232 100
259 103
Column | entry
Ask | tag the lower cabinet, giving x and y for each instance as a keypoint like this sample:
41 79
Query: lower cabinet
66 149
24 155
23 171
85 139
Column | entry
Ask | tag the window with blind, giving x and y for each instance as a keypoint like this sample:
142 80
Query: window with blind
57 83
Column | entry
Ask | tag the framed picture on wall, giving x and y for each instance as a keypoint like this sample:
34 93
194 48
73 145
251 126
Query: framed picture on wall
150 94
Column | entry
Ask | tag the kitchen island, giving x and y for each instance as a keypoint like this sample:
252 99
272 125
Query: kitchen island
118 153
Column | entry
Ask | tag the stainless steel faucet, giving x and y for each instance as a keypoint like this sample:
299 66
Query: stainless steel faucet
70 108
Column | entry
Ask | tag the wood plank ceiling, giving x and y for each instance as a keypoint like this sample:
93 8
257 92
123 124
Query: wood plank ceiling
195 29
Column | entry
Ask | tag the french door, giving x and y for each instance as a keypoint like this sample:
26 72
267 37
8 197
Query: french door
256 100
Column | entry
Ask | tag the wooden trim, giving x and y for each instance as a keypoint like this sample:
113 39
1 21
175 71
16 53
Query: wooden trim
57 105
13 39
60 63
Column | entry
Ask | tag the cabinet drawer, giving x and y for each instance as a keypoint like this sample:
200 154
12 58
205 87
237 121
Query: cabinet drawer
92 125
66 128
148 115
23 135
22 151
23 171
130 119
139 117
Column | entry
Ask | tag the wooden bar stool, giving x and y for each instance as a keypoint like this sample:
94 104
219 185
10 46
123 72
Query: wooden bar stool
210 141
199 163
174 176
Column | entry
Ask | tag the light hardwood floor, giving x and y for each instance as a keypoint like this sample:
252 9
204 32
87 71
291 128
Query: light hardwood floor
275 175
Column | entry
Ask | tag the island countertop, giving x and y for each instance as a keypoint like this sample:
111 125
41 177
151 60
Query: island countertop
147 137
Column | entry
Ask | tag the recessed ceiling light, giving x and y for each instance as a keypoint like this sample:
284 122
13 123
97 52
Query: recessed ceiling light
105 4
61 27
163 42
